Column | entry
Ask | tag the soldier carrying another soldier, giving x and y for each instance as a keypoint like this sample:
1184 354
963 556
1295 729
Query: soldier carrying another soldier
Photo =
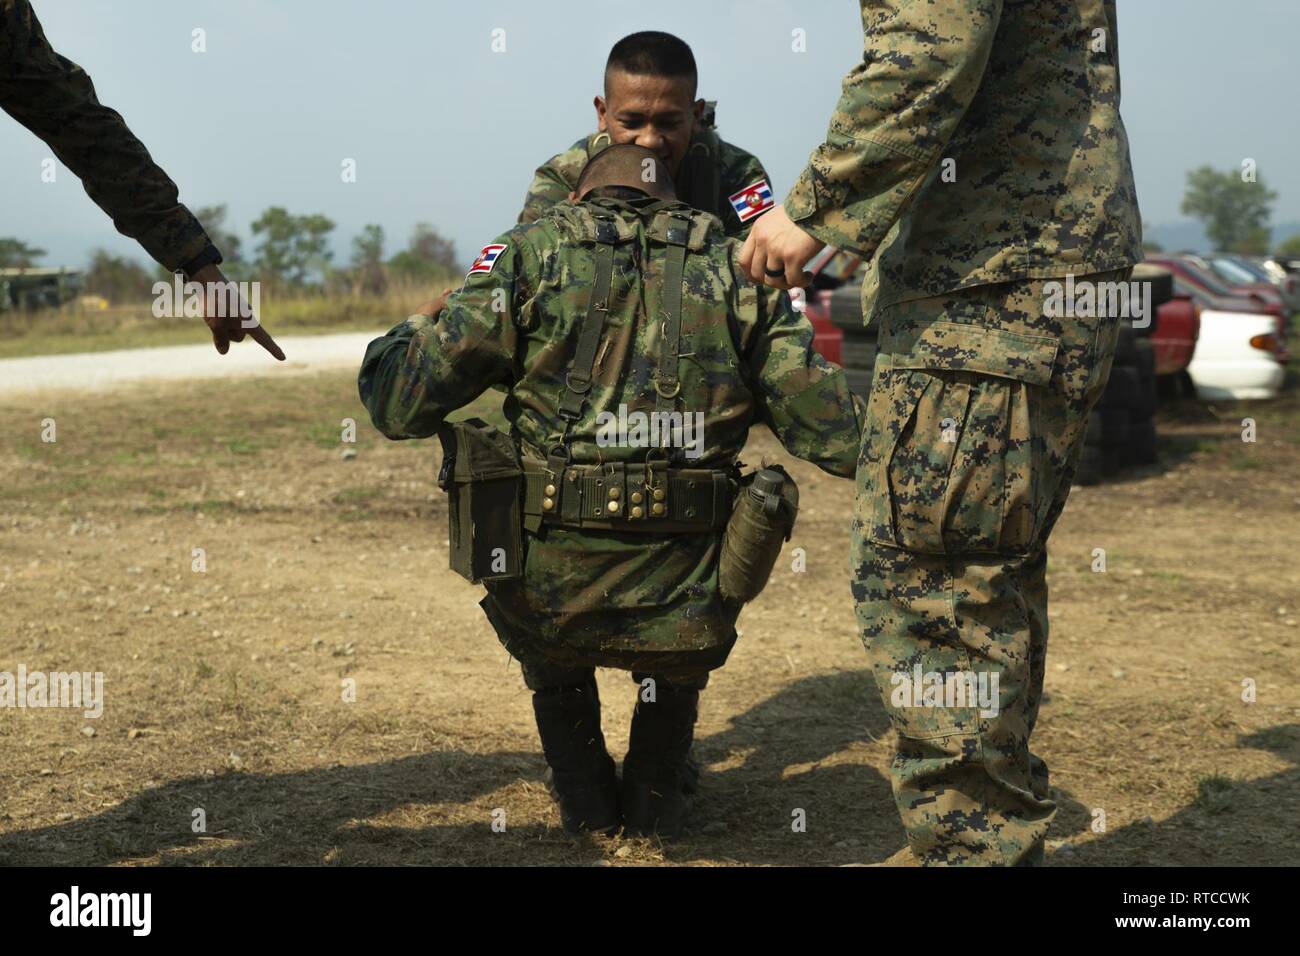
619 302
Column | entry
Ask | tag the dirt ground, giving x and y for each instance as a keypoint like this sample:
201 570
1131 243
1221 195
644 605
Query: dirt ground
224 688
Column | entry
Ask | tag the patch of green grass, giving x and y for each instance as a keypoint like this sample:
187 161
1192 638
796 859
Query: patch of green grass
358 496
1214 794
1245 463
243 446
326 435
1167 577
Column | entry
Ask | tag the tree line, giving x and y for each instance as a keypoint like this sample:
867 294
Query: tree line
291 254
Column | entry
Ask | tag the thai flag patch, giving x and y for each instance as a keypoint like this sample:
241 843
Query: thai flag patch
487 258
752 200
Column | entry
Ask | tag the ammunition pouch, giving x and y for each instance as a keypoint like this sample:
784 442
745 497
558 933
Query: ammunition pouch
621 496
752 542
481 474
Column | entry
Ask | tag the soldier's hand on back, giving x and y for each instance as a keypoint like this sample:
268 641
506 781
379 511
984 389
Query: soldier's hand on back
776 244
434 306
230 328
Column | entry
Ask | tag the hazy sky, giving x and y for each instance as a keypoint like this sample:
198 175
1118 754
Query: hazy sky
447 131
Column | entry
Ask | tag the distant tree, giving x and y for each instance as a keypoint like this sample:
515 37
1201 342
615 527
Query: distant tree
427 255
1290 248
293 247
16 254
117 279
1235 213
368 275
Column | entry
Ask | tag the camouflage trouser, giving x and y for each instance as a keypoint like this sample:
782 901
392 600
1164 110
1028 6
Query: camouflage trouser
547 664
976 420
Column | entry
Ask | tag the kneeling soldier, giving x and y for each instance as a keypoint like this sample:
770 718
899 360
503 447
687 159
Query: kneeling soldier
612 527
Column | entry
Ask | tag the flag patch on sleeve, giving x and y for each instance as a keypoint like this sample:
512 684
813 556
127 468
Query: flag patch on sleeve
752 200
487 258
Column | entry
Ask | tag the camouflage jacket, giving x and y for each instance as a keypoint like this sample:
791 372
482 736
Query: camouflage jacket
746 357
978 141
706 185
55 99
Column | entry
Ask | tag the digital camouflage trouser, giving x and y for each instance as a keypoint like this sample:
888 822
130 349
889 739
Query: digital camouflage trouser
976 420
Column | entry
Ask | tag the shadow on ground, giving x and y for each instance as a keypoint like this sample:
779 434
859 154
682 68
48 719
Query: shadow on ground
775 759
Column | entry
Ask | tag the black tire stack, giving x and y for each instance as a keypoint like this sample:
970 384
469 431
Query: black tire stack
1121 431
859 345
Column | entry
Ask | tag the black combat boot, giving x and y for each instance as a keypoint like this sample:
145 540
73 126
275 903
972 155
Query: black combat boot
659 776
581 775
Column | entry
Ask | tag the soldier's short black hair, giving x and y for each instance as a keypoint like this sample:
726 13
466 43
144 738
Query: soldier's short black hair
652 53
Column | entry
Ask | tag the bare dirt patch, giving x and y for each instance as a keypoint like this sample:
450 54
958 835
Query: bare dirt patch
224 688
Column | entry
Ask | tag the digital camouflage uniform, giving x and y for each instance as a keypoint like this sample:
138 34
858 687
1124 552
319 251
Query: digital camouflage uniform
55 99
980 399
636 600
712 171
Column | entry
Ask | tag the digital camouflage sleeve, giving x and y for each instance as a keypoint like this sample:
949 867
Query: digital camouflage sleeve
55 99
987 136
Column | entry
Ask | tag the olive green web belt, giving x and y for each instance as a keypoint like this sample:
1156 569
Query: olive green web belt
628 497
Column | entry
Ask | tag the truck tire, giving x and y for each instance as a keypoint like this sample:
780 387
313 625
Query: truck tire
1140 449
858 351
859 381
1147 399
1121 388
1096 463
1114 427
1126 347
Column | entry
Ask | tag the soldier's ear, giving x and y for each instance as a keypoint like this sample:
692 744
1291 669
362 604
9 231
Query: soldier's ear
697 108
599 102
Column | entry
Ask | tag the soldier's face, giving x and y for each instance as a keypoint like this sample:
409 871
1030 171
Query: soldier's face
656 112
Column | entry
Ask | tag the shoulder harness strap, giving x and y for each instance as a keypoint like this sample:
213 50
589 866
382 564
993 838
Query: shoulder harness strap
667 381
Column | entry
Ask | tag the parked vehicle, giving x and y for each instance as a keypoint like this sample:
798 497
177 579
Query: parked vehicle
1244 271
1237 356
1201 282
1178 322
1121 430
37 288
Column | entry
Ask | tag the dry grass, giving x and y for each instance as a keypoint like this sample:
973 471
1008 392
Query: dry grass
224 688
77 329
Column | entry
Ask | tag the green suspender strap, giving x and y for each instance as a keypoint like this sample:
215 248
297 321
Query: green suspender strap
578 380
667 383
705 178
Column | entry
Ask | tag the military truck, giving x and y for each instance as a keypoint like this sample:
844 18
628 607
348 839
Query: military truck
32 288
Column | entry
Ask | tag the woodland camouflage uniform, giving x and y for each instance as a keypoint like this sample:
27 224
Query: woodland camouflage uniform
712 171
600 596
980 398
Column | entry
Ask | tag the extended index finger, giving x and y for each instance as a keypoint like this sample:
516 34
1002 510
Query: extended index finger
263 338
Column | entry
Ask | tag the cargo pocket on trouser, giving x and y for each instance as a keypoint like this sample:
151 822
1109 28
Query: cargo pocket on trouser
952 492
955 440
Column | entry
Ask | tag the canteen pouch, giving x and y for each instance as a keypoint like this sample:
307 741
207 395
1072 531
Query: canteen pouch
761 521
484 482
